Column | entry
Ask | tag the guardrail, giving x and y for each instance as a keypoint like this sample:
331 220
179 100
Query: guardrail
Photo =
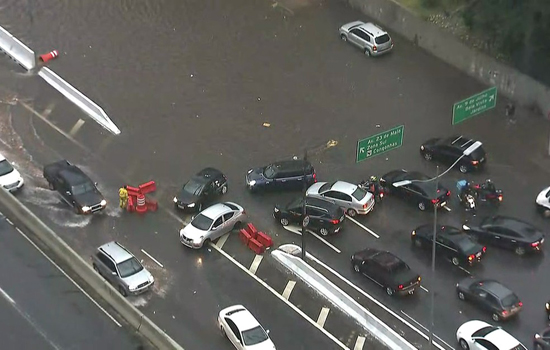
17 50
288 256
17 212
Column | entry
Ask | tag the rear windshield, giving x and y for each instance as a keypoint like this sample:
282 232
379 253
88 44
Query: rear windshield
359 194
5 167
382 39
467 245
510 300
202 222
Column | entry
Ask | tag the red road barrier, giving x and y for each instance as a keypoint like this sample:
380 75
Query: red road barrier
133 191
256 246
148 187
251 229
151 204
141 208
49 56
244 236
264 239
131 206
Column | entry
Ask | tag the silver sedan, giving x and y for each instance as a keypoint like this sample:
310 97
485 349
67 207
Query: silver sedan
350 197
212 223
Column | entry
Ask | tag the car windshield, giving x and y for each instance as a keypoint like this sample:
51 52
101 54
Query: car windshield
510 300
5 167
129 267
194 187
270 171
382 39
202 222
254 336
82 188
359 194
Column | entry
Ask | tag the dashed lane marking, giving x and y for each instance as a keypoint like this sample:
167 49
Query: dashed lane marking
76 127
69 278
151 257
274 292
463 269
447 208
299 232
359 343
9 221
424 289
48 110
221 241
255 264
7 296
288 289
384 307
323 316
363 226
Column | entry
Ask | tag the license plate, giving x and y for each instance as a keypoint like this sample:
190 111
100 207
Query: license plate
542 241
482 159
182 206
478 254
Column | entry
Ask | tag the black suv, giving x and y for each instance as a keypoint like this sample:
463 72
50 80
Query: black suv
448 150
451 242
412 186
491 296
386 270
325 216
206 185
283 175
75 187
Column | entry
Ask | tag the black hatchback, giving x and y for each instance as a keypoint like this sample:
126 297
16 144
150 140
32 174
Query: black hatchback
451 243
206 185
283 175
491 296
449 150
325 216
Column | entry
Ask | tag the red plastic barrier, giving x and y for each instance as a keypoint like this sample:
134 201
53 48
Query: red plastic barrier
148 187
49 56
131 206
151 204
244 236
264 239
133 191
256 246
251 229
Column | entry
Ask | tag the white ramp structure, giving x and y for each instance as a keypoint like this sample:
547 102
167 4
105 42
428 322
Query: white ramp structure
17 50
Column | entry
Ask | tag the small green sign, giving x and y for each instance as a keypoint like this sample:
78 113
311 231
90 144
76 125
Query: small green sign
474 105
380 143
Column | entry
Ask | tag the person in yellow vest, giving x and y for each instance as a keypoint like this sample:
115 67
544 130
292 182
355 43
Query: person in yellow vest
123 196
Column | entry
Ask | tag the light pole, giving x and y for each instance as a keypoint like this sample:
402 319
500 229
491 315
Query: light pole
305 218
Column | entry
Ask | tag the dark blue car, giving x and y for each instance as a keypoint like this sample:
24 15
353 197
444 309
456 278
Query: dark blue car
283 175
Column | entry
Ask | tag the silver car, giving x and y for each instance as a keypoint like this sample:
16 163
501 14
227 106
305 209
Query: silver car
211 223
117 265
369 37
350 197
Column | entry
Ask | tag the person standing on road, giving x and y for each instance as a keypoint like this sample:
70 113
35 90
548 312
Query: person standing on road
123 197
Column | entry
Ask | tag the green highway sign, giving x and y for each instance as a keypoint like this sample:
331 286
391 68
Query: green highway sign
379 143
474 105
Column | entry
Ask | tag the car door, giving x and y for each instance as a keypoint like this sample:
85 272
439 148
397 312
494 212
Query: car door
448 155
493 236
444 247
342 199
111 272
315 218
65 191
509 239
234 334
228 221
217 229
354 37
412 193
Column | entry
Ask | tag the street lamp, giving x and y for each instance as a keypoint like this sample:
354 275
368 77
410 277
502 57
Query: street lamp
305 218
465 153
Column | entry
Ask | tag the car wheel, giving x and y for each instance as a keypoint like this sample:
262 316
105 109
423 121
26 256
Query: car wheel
367 52
352 212
284 221
344 37
356 268
463 344
323 231
428 156
422 206
389 291
455 261
417 243
463 169
519 251
547 213
237 225
96 269
461 296
224 189
122 291
51 186
495 317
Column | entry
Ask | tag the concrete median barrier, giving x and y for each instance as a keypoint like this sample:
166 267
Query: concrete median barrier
17 50
25 219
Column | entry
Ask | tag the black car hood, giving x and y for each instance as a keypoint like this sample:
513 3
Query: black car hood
88 198
185 197
256 174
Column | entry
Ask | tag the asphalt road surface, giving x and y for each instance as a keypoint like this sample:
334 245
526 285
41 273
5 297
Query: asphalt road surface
42 309
190 84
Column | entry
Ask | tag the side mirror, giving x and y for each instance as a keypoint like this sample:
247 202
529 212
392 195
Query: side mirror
267 331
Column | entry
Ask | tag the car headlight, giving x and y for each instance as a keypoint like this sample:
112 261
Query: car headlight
251 170
413 233
276 209
175 199
252 183
132 288
547 306
466 227
537 336
421 148
192 205
103 202
85 208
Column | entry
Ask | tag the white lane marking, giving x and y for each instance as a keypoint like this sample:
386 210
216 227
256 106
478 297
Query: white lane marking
391 312
255 264
183 222
363 226
221 241
9 221
463 269
151 257
29 319
424 289
48 110
288 289
447 208
274 292
359 343
69 278
299 232
323 316
76 127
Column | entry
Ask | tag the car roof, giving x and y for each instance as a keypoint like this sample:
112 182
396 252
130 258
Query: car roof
321 202
74 175
495 288
217 209
116 251
373 29
242 317
344 187
382 257
291 164
513 224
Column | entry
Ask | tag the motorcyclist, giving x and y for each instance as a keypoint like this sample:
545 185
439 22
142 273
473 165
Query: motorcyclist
489 186
464 189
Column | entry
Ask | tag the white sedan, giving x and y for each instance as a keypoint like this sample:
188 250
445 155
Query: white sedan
243 330
543 201
479 335
10 178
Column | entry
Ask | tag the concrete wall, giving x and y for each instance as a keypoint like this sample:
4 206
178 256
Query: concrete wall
510 82
17 50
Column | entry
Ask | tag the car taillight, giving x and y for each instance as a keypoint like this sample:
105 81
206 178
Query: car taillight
314 177
504 312
392 43
335 221
434 201
475 162
381 194
471 257
484 249
448 193
500 198
400 286
520 304
374 48
534 244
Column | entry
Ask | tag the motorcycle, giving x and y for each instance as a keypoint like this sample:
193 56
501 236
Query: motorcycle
486 194
468 201
373 187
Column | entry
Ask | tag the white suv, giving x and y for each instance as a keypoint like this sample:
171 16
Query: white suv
10 178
